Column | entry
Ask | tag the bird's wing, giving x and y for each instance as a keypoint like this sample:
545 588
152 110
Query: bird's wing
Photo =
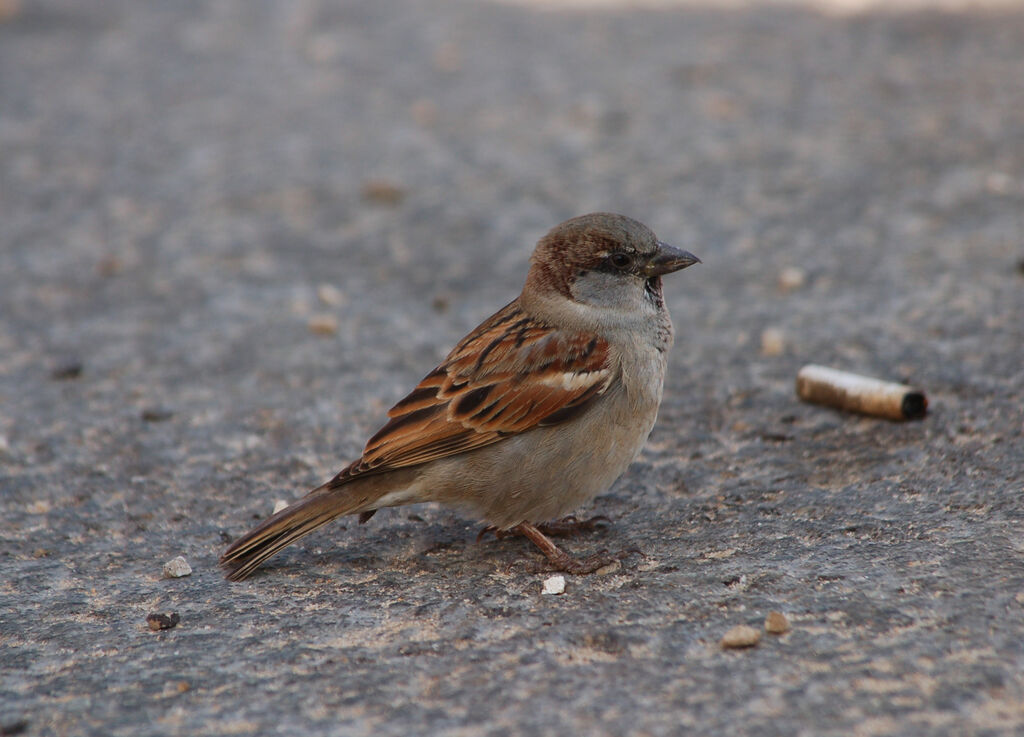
513 373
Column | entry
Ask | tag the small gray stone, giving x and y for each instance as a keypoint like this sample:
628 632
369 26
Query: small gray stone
177 568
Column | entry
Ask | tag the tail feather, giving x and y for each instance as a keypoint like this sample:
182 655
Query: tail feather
317 508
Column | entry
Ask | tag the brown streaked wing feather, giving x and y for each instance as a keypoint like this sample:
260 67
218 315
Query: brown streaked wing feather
509 375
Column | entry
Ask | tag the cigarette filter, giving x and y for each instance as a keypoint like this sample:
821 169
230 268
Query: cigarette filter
862 394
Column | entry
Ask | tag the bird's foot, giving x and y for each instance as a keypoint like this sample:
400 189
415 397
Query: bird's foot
558 559
566 563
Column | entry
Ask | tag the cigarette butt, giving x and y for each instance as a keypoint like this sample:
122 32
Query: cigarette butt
862 394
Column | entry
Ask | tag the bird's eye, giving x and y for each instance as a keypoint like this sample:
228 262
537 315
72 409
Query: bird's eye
620 261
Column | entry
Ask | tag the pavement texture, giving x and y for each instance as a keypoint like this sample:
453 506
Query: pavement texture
233 233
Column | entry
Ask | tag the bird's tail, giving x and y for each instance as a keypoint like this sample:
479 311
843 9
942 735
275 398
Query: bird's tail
315 509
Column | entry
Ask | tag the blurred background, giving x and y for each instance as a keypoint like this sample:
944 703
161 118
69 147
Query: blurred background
216 163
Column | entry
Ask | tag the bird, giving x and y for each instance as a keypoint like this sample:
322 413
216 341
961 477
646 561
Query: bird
537 410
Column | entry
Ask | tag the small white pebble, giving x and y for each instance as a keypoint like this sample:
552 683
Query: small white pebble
792 278
773 342
177 567
554 585
330 295
279 505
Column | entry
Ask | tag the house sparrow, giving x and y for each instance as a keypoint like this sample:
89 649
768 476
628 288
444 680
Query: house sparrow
537 410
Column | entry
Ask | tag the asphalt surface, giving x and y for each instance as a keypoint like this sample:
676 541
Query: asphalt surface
233 233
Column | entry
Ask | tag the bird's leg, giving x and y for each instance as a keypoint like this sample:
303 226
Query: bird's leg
559 559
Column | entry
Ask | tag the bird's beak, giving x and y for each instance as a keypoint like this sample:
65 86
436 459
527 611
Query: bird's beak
668 259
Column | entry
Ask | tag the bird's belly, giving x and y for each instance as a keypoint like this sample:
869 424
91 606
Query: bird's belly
548 472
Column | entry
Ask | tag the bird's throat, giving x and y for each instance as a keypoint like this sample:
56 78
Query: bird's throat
652 288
